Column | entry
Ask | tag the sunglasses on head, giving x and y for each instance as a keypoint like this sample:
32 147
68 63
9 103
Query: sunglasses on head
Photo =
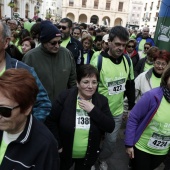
55 42
6 111
63 27
131 46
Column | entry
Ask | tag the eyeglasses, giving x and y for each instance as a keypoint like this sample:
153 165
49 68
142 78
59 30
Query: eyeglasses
131 46
163 65
146 48
55 42
6 111
63 27
87 83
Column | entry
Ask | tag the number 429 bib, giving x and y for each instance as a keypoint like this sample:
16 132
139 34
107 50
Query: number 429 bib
116 87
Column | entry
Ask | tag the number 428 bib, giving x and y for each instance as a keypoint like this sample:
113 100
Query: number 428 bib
116 87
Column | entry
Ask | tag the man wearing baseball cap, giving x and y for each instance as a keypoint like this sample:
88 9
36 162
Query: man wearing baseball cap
53 64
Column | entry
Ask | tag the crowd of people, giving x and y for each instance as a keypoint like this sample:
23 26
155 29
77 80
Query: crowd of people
64 88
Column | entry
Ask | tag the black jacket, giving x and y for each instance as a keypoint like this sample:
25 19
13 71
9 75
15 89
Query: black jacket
77 50
35 148
139 68
61 122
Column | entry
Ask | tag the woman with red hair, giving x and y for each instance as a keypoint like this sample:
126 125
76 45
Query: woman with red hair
152 78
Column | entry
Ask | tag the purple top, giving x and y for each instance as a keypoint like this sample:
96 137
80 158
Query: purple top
141 114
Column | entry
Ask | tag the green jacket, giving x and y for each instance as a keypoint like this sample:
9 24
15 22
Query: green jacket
56 71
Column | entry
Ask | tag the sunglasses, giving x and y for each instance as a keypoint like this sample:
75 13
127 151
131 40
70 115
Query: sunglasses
146 48
130 46
55 42
6 111
63 27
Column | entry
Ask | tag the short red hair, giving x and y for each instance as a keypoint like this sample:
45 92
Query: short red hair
20 86
162 54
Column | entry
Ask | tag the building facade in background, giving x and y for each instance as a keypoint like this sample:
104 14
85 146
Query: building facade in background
101 12
150 14
136 6
31 9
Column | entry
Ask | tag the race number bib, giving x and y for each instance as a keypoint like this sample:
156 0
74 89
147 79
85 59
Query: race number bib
116 87
159 141
82 120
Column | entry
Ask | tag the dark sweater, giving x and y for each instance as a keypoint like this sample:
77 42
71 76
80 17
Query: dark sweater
35 148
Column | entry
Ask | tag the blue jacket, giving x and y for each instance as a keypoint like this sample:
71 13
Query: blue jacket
150 40
141 114
42 106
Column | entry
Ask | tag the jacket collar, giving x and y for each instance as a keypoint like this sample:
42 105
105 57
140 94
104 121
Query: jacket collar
149 73
25 135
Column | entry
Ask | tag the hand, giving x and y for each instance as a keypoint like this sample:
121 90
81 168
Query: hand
130 152
86 105
60 150
128 113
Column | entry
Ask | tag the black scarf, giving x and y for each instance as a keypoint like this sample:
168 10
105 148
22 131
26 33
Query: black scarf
166 93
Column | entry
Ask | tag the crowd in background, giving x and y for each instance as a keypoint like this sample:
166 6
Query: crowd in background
88 70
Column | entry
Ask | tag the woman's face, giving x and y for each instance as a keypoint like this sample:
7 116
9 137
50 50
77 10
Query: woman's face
130 47
146 48
16 122
87 87
86 44
26 46
160 65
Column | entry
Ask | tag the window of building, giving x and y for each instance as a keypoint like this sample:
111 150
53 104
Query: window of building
157 14
96 3
139 8
137 15
71 2
145 6
84 3
108 2
120 7
151 6
133 15
158 5
150 16
134 7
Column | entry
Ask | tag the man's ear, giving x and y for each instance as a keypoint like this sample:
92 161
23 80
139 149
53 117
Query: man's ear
6 42
28 111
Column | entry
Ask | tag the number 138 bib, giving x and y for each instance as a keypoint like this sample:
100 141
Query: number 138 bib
82 120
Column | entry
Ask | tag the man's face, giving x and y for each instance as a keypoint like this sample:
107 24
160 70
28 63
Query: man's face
76 34
98 45
65 30
3 42
145 32
53 45
104 45
116 47
12 24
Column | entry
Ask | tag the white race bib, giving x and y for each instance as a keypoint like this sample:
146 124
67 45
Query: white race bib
82 120
159 141
116 87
